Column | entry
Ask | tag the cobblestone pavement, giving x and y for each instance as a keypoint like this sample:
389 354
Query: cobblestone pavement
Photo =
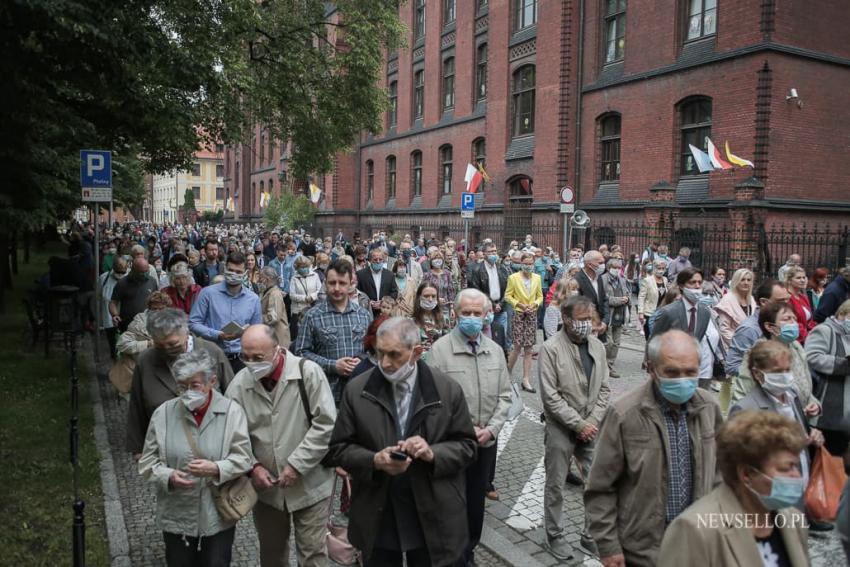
517 518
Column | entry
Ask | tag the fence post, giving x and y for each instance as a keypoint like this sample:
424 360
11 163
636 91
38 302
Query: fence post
659 213
744 213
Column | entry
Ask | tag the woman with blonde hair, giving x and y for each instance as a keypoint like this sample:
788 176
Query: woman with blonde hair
567 287
524 293
736 305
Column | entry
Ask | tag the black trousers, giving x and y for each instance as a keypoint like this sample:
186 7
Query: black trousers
112 339
477 483
393 558
212 551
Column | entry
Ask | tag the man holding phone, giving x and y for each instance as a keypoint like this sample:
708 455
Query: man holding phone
405 436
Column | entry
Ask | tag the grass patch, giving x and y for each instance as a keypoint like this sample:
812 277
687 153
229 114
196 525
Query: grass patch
36 474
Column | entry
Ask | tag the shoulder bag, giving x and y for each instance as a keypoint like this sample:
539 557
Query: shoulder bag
234 498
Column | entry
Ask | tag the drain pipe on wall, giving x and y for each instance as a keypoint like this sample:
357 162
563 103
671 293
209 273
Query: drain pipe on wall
580 80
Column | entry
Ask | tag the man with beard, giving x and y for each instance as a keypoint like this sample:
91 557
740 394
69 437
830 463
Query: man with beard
153 383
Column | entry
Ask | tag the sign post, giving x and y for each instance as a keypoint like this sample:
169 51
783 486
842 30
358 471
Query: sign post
568 206
96 186
467 211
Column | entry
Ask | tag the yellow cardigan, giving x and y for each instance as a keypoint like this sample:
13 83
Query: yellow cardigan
516 291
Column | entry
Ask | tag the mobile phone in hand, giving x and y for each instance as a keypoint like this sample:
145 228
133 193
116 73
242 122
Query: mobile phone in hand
398 455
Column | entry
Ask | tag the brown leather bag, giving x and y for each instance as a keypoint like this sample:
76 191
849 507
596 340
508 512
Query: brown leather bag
233 499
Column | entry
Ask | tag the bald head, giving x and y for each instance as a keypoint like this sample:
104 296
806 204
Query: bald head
258 339
674 354
140 265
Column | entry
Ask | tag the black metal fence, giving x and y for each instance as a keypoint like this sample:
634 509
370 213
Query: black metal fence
712 243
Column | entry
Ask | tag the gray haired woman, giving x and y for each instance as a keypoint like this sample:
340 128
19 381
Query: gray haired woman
183 470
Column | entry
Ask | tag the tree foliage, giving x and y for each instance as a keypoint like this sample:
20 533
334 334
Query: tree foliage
289 211
154 80
188 201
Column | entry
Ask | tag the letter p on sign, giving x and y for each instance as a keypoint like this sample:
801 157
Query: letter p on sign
94 162
96 169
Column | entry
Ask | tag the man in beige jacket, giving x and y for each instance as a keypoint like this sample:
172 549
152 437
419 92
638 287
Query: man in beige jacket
575 393
478 365
291 415
655 455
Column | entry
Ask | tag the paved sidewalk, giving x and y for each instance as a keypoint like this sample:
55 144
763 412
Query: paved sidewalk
513 525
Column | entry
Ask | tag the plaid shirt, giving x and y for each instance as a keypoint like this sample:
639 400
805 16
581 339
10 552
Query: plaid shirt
325 335
680 473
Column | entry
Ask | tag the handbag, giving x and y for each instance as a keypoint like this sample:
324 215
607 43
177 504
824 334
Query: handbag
718 366
517 405
825 486
340 550
234 498
121 374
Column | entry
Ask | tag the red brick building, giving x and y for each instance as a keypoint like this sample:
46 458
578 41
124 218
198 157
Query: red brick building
604 97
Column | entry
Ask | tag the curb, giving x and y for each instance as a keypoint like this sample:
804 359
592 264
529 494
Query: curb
116 529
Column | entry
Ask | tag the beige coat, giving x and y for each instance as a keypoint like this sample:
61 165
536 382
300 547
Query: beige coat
691 540
743 383
135 339
222 438
280 434
406 298
569 398
626 494
730 315
483 377
648 296
274 314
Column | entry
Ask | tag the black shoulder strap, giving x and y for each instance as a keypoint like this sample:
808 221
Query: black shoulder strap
302 389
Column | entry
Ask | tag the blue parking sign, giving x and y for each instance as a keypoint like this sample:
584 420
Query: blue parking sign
96 169
467 201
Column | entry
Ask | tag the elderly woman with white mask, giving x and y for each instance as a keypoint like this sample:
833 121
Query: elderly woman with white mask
194 444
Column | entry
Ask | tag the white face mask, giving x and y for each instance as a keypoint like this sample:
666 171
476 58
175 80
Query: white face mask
582 328
400 375
193 399
692 295
778 383
263 368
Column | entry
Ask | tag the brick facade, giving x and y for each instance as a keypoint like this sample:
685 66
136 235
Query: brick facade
757 51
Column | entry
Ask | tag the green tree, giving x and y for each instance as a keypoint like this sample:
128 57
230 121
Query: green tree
289 211
188 201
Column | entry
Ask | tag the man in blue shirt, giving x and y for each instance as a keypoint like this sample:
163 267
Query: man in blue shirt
220 304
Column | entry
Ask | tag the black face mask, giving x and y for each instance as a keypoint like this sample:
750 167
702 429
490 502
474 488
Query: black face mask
173 352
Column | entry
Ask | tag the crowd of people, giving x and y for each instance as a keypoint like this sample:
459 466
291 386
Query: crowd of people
388 361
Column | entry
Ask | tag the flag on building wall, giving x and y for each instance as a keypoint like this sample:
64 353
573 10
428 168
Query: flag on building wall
484 173
315 193
714 155
473 178
703 161
741 162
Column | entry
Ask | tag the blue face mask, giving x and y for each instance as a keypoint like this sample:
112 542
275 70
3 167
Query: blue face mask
492 258
650 268
785 491
677 390
489 318
788 333
377 266
303 271
470 326
527 268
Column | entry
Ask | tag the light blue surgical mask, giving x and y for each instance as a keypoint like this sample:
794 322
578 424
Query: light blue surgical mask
303 271
785 491
377 266
470 326
492 258
788 333
489 318
846 324
677 390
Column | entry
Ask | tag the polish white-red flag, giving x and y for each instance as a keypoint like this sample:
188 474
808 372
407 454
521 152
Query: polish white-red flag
473 178
715 156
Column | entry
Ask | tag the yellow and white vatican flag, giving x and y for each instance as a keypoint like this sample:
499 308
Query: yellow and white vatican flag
315 193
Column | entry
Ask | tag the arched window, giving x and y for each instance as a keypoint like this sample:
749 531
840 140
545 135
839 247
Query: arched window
448 83
262 149
479 152
446 169
370 180
522 92
521 188
392 118
609 130
391 175
481 73
271 187
695 120
418 94
416 173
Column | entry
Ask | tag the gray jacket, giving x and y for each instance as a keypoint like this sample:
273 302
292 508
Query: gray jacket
483 377
221 438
